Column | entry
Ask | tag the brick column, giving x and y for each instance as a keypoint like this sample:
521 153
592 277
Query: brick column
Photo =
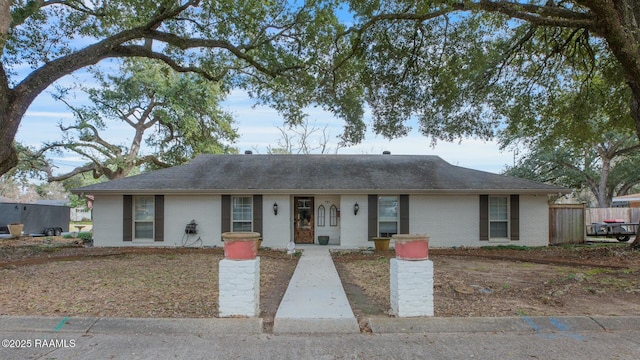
411 288
239 288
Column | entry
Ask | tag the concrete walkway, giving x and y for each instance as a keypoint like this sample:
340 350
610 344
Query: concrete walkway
315 301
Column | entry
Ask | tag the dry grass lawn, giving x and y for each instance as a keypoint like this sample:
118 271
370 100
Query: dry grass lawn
550 281
146 284
70 280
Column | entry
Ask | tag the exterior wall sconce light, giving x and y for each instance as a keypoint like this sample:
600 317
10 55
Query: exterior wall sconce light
356 208
275 208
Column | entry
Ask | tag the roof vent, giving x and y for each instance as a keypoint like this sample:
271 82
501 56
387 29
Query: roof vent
248 152
386 152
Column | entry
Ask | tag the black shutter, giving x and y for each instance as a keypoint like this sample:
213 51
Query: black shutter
127 218
404 214
226 213
158 231
372 229
515 217
257 214
484 217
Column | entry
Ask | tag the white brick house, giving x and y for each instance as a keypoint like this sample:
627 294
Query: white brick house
347 198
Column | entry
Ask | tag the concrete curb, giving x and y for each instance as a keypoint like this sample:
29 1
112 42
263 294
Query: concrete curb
567 325
541 324
315 326
618 323
200 327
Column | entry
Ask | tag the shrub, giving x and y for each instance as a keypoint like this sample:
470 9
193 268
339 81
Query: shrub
86 237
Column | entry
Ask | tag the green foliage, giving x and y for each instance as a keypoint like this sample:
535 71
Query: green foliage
176 115
79 201
579 133
430 71
460 68
86 237
469 68
30 164
587 107
185 108
281 53
605 168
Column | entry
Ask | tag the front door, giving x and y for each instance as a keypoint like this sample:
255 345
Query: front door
303 233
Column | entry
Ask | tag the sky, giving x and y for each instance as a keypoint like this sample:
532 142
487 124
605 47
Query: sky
258 129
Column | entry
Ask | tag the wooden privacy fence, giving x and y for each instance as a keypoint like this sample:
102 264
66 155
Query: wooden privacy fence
566 224
594 215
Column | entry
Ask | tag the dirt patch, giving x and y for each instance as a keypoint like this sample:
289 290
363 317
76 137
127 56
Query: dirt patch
557 281
64 278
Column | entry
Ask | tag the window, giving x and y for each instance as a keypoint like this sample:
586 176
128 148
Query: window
387 216
321 214
143 210
498 217
333 216
305 213
242 214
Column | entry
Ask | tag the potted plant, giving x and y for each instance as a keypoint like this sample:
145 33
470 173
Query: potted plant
15 229
323 240
381 243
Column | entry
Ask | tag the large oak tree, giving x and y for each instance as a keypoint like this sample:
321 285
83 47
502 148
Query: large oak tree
580 135
453 64
172 117
270 48
456 65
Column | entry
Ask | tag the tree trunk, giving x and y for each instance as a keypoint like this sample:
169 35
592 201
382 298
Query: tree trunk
636 242
9 123
8 154
634 104
603 200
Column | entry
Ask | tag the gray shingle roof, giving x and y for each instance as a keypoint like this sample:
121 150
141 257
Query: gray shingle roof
318 173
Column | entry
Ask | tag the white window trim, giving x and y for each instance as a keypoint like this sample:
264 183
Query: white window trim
508 220
321 216
397 220
333 216
152 221
250 197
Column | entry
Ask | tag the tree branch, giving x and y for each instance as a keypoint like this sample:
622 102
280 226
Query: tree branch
142 51
238 51
151 159
41 78
541 15
95 137
74 172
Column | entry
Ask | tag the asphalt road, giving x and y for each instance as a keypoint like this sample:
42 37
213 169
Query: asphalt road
535 338
382 346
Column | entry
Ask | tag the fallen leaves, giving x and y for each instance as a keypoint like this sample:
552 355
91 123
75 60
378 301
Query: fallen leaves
485 282
169 284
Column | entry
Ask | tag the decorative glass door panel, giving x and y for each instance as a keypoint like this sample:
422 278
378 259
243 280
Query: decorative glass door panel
303 220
